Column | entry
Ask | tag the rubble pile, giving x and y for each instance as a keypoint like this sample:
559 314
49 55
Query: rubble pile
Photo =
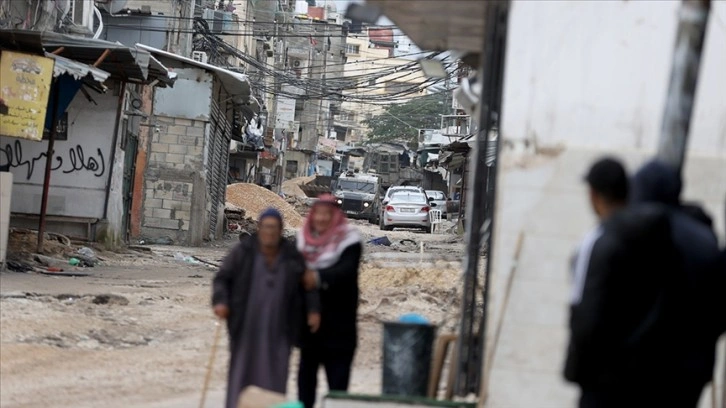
302 205
291 188
254 199
237 221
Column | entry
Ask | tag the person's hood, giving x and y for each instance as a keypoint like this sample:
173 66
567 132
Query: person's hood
656 182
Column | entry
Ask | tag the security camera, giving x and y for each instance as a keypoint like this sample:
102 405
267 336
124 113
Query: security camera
157 130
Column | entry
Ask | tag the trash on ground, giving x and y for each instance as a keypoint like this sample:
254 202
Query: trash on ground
380 241
185 258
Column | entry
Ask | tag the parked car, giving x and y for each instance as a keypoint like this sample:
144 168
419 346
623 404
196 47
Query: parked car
406 209
381 205
438 200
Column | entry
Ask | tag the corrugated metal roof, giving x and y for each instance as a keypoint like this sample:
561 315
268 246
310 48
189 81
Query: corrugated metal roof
76 69
234 83
129 64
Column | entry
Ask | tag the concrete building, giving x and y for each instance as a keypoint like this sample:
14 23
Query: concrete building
370 55
93 147
184 178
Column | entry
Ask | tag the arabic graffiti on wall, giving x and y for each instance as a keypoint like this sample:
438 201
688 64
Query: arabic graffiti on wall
24 89
71 161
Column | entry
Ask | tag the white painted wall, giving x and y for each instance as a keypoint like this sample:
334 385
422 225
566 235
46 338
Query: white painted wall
81 164
595 74
592 78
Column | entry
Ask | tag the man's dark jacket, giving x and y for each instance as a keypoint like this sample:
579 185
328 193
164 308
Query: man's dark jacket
701 302
620 331
231 287
339 303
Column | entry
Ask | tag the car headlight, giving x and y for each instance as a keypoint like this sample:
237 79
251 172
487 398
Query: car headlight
366 205
340 201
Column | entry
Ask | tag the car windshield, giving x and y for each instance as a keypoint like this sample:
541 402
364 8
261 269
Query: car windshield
352 185
402 190
408 197
436 195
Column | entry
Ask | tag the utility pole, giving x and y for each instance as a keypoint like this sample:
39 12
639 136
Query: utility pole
479 215
693 19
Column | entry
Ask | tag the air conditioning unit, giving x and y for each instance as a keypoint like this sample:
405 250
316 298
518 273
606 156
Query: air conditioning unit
200 56
296 63
219 21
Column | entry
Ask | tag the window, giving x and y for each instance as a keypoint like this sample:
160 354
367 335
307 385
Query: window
352 49
291 166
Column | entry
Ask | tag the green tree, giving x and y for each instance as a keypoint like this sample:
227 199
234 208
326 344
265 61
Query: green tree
401 122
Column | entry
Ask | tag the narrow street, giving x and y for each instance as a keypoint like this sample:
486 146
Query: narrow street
138 331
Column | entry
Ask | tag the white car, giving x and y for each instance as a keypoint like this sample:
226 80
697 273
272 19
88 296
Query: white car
406 209
387 197
438 200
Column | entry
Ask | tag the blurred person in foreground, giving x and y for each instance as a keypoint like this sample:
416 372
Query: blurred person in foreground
620 332
702 305
332 250
259 290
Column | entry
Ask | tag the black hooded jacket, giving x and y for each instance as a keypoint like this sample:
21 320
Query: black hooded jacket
700 280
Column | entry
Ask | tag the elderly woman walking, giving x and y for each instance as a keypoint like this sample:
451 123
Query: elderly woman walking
259 291
332 251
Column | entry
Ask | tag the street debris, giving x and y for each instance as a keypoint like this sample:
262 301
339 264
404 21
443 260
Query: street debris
384 241
291 188
254 199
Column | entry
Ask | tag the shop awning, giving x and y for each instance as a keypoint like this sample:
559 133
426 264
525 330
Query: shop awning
77 70
128 64
235 84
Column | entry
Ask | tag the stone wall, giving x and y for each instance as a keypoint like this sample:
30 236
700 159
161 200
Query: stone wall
174 176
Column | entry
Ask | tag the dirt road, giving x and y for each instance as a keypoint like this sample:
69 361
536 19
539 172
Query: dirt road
138 331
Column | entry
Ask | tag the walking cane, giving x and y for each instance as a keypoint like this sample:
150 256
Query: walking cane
208 377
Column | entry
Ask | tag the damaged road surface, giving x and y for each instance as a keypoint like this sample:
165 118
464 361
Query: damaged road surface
137 332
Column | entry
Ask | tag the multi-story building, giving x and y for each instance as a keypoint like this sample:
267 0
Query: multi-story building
379 78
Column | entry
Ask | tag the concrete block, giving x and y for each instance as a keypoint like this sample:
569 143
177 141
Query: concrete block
152 222
174 158
189 140
195 151
170 224
172 205
157 158
155 137
169 139
176 130
183 122
177 149
181 196
159 148
148 212
154 203
162 213
186 206
163 194
184 225
195 131
180 166
182 215
194 161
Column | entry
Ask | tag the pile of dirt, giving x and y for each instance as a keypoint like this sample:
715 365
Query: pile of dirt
373 278
254 199
291 188
23 242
